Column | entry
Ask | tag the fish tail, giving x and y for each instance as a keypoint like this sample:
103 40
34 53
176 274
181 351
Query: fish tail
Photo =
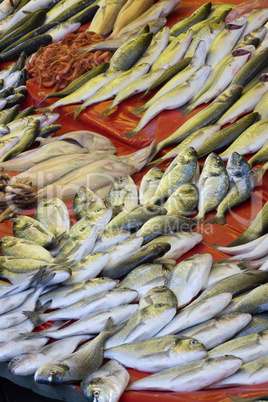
187 109
106 112
220 220
46 109
34 316
130 134
156 161
143 95
137 110
198 219
76 111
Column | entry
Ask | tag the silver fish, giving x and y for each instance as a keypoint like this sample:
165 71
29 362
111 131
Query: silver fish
12 348
183 200
28 228
123 194
86 201
105 17
149 184
53 213
13 246
109 238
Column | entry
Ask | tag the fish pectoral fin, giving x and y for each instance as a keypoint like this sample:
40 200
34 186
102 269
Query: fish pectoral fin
158 355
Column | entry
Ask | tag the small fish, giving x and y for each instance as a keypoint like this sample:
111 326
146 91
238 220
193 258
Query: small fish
156 47
251 68
54 214
260 156
99 218
157 354
105 17
81 363
256 20
240 189
205 117
123 194
28 228
173 99
106 384
189 377
143 325
196 314
260 250
15 247
223 269
86 201
149 184
158 294
218 330
257 324
188 277
12 348
109 238
213 185
200 14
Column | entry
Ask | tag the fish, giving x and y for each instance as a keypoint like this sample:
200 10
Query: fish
8 334
64 28
123 194
142 255
213 185
66 295
144 278
181 243
134 218
99 218
128 13
218 330
225 41
28 228
256 20
189 377
247 348
16 247
158 294
174 98
81 363
54 214
187 278
11 302
244 8
244 145
257 324
38 155
254 302
105 17
9 349
109 238
114 86
93 323
200 14
180 77
223 77
205 117
261 172
243 248
90 304
260 156
240 189
227 135
259 251
251 373
156 47
193 315
180 172
85 201
251 68
174 52
158 10
27 363
149 184
144 324
157 354
235 284
222 269
107 383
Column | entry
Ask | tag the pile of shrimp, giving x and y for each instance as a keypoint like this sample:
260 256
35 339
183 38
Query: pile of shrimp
58 64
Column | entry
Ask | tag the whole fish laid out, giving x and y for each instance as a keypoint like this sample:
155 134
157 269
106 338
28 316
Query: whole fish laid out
243 248
256 20
105 17
81 363
144 324
18 346
157 354
213 185
156 47
128 13
15 247
174 98
205 117
260 156
27 363
196 314
199 14
158 294
225 41
223 269
245 144
254 302
85 201
251 373
123 194
259 251
240 189
218 330
30 229
8 334
149 184
107 383
183 200
159 9
188 277
54 214
248 348
247 102
189 377
179 78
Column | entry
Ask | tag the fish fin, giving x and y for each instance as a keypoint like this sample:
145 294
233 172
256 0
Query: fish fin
198 219
187 109
43 307
157 161
137 110
45 109
130 134
106 112
220 220
76 111
34 316
144 94
258 175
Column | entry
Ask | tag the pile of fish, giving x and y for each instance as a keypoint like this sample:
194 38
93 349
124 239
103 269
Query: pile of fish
116 276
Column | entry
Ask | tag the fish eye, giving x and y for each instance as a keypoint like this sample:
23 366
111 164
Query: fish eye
159 305
193 342
52 372
96 394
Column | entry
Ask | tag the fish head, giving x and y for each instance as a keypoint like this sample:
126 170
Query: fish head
189 346
99 390
23 222
230 95
52 373
237 165
151 209
8 241
159 312
187 191
20 365
214 165
187 156
85 196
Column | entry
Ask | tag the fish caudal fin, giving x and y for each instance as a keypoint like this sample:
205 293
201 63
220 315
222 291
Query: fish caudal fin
130 134
34 316
220 220
137 110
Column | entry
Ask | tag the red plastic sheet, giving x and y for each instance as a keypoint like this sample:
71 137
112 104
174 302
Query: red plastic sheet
159 128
